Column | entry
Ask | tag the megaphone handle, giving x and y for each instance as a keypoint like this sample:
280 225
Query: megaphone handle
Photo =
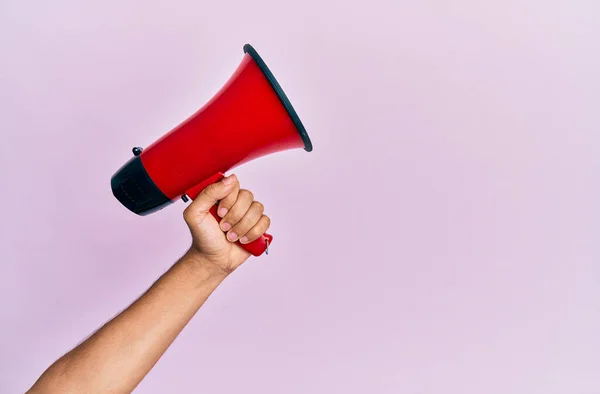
256 247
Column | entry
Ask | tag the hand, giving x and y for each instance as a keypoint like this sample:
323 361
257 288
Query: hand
242 219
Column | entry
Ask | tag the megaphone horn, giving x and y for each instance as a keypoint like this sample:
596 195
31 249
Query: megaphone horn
249 117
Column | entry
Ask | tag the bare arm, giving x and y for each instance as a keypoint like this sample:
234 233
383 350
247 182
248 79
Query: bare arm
119 355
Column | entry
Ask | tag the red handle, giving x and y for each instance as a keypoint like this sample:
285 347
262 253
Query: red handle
256 247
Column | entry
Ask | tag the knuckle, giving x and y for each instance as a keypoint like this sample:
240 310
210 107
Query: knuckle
248 221
235 215
227 202
252 235
233 220
246 194
210 191
258 206
187 215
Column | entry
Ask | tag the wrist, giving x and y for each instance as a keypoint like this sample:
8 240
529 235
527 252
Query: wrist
203 266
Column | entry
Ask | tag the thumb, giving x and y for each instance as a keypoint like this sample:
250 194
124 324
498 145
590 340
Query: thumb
213 193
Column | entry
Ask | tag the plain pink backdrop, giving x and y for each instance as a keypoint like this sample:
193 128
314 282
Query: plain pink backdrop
441 238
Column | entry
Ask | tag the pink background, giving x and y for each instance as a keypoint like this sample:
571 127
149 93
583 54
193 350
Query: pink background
441 238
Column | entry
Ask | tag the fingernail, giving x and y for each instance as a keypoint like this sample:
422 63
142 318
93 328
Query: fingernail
225 226
228 180
222 212
232 236
244 240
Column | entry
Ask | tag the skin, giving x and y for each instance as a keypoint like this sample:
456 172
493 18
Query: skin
118 356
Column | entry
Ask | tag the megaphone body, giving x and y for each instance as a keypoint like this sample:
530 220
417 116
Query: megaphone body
249 117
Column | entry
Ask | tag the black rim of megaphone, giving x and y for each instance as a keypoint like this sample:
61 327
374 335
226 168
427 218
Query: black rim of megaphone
284 100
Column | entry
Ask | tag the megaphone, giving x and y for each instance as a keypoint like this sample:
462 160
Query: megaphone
249 117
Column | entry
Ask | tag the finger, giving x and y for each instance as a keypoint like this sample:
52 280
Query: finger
257 231
249 220
213 193
226 203
238 210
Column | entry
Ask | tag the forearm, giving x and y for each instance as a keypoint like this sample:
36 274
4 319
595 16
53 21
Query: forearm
118 356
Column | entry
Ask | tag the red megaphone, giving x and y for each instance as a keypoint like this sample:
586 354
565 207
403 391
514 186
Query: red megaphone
248 118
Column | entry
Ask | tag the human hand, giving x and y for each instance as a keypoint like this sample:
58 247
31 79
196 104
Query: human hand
242 218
